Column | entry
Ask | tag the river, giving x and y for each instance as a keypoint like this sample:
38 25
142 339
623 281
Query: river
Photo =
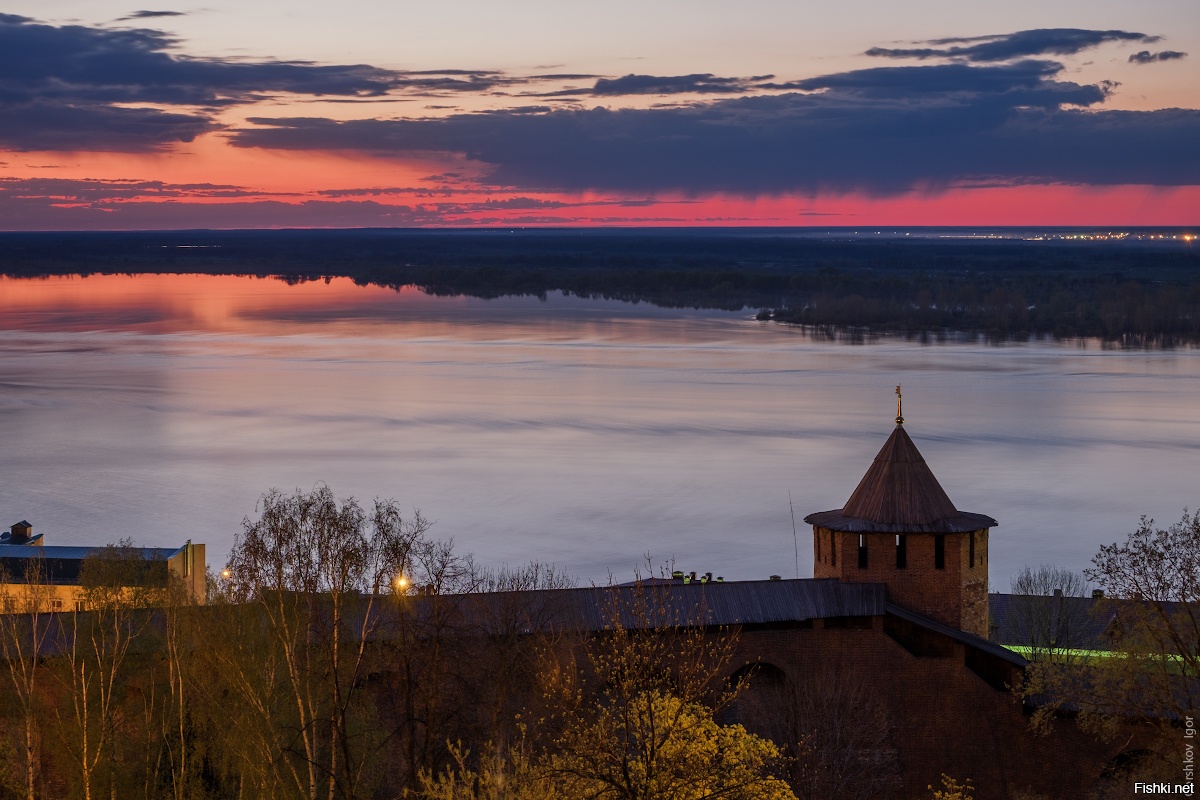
595 435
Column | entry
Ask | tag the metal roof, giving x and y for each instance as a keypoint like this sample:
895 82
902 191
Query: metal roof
969 639
70 553
899 494
1084 623
62 565
672 604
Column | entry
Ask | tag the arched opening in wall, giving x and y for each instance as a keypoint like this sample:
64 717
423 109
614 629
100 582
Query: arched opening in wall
763 692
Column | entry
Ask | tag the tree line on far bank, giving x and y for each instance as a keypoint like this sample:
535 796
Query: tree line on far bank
1132 293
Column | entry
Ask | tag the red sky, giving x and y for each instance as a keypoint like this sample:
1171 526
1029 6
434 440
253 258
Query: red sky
158 119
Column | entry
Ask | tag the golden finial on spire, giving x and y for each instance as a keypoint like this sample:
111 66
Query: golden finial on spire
899 414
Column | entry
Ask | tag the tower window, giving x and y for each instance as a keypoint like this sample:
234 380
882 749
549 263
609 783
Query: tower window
818 538
832 549
939 552
901 551
862 551
971 548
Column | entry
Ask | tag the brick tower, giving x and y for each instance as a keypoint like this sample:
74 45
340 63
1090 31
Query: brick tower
899 528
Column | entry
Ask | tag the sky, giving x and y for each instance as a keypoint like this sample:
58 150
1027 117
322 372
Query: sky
268 114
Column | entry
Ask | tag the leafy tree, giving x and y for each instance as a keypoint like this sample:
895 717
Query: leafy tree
1148 676
656 746
1159 568
636 722
952 789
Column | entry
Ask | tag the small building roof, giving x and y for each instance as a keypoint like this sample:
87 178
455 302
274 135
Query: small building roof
63 564
899 494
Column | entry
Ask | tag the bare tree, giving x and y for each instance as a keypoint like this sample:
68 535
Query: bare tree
1147 680
118 586
315 572
842 736
25 620
1045 614
1152 587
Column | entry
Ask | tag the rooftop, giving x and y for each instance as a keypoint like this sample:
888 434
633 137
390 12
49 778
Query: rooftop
899 494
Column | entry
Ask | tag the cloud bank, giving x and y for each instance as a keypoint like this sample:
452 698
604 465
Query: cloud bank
1021 44
74 87
987 110
882 131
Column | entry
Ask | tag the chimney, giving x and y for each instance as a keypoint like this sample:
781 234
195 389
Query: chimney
21 533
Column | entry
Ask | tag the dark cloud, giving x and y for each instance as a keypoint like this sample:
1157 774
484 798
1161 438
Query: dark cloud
36 204
62 204
41 125
676 84
72 87
881 131
627 85
74 191
1008 46
1146 57
152 15
1024 83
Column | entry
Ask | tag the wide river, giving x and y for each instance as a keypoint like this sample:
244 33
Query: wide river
594 435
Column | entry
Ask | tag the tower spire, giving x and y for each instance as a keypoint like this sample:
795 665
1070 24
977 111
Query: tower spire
899 414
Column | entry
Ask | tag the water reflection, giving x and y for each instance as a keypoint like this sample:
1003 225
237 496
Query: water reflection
580 432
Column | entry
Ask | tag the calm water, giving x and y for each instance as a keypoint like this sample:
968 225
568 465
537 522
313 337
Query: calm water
584 433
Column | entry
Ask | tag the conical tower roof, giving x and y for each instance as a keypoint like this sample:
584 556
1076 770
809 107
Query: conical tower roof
899 488
899 494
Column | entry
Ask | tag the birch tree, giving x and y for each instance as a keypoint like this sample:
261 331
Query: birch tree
93 659
25 620
313 572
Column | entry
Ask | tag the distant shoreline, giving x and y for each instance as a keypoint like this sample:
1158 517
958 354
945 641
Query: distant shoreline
1141 289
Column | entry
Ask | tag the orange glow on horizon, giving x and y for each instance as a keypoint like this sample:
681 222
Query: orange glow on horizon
457 200
165 303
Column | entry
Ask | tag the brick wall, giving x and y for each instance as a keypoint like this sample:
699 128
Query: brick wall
955 595
942 716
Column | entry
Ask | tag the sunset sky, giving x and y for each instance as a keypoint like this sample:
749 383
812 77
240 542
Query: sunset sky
766 112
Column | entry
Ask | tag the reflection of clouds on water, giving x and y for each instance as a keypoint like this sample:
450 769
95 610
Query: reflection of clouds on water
583 433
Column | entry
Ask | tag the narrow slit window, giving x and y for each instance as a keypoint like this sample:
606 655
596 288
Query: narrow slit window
939 552
832 548
818 538
971 548
862 551
901 551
